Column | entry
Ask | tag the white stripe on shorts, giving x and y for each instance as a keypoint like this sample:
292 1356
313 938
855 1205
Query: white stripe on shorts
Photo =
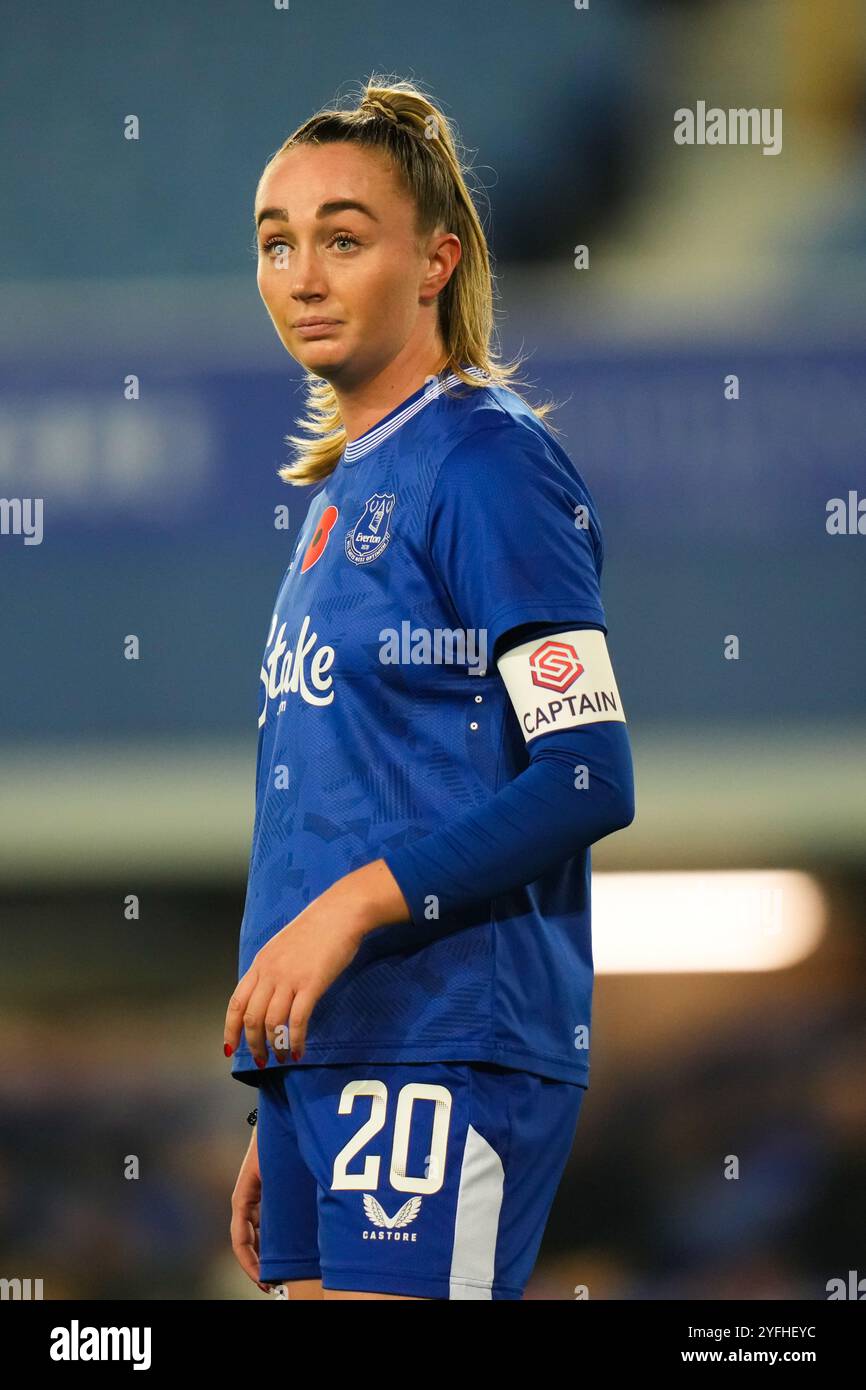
476 1226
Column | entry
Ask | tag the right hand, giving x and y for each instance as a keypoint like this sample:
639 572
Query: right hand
246 1202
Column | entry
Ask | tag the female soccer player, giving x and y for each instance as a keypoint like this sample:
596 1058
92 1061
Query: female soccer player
441 739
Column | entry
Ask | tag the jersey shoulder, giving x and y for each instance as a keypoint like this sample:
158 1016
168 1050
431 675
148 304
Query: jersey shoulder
499 431
499 454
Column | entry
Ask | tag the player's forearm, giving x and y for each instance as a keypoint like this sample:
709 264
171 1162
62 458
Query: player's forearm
369 897
577 790
541 818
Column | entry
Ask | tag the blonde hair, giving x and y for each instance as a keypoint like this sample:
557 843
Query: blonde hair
396 117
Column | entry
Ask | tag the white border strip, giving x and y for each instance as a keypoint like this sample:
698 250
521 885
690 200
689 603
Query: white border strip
375 436
476 1223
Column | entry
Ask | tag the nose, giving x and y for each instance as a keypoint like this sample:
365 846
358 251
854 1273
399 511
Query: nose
306 275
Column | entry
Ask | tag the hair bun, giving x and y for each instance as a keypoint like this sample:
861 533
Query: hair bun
376 107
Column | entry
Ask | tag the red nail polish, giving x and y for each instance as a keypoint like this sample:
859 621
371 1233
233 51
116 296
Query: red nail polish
296 1056
227 1049
261 1061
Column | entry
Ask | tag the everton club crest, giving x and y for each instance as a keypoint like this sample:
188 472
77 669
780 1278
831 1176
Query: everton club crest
372 531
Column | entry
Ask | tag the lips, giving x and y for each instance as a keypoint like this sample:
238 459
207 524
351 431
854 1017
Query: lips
316 328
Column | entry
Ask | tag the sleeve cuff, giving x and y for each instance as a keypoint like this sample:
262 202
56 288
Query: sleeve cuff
402 864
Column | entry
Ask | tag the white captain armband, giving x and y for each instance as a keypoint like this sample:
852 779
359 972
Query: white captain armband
561 681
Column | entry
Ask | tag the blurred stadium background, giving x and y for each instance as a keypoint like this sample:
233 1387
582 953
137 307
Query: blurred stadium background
127 777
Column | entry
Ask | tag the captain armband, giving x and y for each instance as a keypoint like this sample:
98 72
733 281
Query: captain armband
561 682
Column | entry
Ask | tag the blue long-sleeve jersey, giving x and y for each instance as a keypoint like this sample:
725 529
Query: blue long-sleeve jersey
383 718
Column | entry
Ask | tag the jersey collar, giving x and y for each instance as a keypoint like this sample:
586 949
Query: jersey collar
425 394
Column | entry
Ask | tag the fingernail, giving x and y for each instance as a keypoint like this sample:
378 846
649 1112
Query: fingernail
227 1049
296 1056
261 1062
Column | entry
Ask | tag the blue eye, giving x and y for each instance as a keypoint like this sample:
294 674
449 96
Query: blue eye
274 241
344 236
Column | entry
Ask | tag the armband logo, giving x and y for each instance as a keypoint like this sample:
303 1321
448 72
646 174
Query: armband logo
555 665
574 667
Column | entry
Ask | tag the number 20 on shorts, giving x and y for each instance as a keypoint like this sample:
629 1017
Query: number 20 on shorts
399 1179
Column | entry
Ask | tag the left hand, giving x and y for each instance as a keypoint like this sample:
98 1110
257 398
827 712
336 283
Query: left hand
289 975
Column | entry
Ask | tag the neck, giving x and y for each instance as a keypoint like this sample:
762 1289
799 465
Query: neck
364 405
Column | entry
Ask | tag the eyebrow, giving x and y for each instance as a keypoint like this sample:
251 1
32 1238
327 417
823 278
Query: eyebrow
323 210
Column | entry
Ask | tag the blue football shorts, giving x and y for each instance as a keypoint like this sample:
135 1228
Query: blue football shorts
431 1179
